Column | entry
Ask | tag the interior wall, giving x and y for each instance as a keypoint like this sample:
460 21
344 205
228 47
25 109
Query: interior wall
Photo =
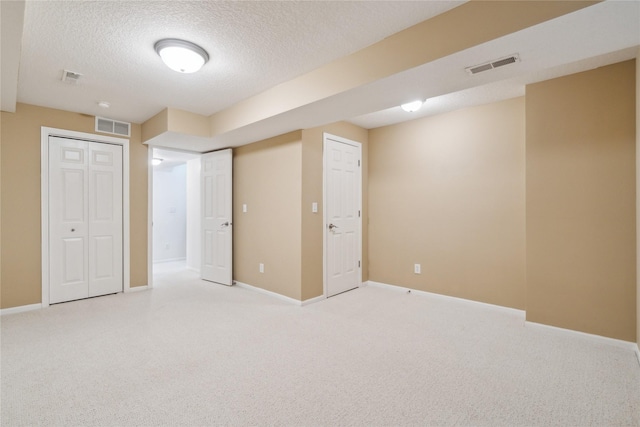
193 214
638 200
312 191
581 217
267 178
448 192
169 213
20 193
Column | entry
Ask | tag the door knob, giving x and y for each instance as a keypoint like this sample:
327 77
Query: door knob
225 224
73 229
332 226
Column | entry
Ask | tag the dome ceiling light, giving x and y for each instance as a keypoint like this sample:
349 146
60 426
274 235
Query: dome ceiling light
181 56
410 107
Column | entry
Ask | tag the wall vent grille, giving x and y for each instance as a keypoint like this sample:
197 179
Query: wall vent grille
113 127
70 77
493 64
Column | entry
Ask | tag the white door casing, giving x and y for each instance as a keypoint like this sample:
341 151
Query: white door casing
342 215
95 204
217 215
86 225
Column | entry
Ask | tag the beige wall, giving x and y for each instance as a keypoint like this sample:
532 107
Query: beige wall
581 218
312 224
267 177
638 200
279 179
448 192
21 249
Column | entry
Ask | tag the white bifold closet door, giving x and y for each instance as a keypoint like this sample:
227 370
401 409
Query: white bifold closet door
85 219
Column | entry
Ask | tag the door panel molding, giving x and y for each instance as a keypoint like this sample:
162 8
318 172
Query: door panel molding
348 204
216 186
45 133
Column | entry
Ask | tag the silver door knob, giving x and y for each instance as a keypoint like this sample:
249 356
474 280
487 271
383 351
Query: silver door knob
332 226
225 224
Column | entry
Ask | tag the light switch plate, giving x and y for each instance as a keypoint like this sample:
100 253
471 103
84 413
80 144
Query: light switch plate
244 207
314 207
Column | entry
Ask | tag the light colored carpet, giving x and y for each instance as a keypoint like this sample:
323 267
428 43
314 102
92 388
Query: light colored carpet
194 353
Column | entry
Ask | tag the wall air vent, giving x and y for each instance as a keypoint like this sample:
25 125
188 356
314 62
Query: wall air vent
493 64
70 77
113 127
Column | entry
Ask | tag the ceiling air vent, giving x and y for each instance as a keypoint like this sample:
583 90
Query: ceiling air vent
113 127
493 64
70 77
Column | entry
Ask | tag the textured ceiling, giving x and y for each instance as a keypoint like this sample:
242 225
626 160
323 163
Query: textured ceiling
256 45
253 46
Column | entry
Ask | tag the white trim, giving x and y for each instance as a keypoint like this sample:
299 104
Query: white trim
160 261
266 292
313 300
45 133
446 298
638 353
20 309
596 338
138 289
149 216
592 337
358 145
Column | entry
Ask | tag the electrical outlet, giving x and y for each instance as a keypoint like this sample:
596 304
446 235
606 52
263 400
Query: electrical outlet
261 267
416 268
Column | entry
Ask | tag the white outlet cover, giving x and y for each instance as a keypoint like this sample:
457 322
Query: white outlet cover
314 207
244 207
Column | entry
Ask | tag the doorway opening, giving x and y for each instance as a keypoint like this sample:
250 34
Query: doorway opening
175 251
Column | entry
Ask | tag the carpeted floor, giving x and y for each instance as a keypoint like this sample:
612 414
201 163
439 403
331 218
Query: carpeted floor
194 353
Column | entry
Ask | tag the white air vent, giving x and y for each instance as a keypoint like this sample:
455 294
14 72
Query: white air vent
113 127
493 64
70 77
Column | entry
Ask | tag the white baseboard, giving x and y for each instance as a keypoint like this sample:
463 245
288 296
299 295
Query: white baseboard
20 309
312 300
266 292
638 352
137 289
592 337
160 261
446 297
605 340
277 295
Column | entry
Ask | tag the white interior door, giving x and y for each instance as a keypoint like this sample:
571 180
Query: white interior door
68 223
105 219
217 230
85 219
343 181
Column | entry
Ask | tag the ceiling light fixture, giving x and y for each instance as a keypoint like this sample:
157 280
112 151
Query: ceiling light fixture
181 56
410 107
156 161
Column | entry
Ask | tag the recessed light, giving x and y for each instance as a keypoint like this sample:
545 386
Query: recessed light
181 56
104 104
156 161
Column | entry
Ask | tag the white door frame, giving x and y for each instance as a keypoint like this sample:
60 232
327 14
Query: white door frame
358 145
45 133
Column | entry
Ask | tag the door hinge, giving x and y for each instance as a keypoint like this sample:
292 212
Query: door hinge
358 214
358 264
358 163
